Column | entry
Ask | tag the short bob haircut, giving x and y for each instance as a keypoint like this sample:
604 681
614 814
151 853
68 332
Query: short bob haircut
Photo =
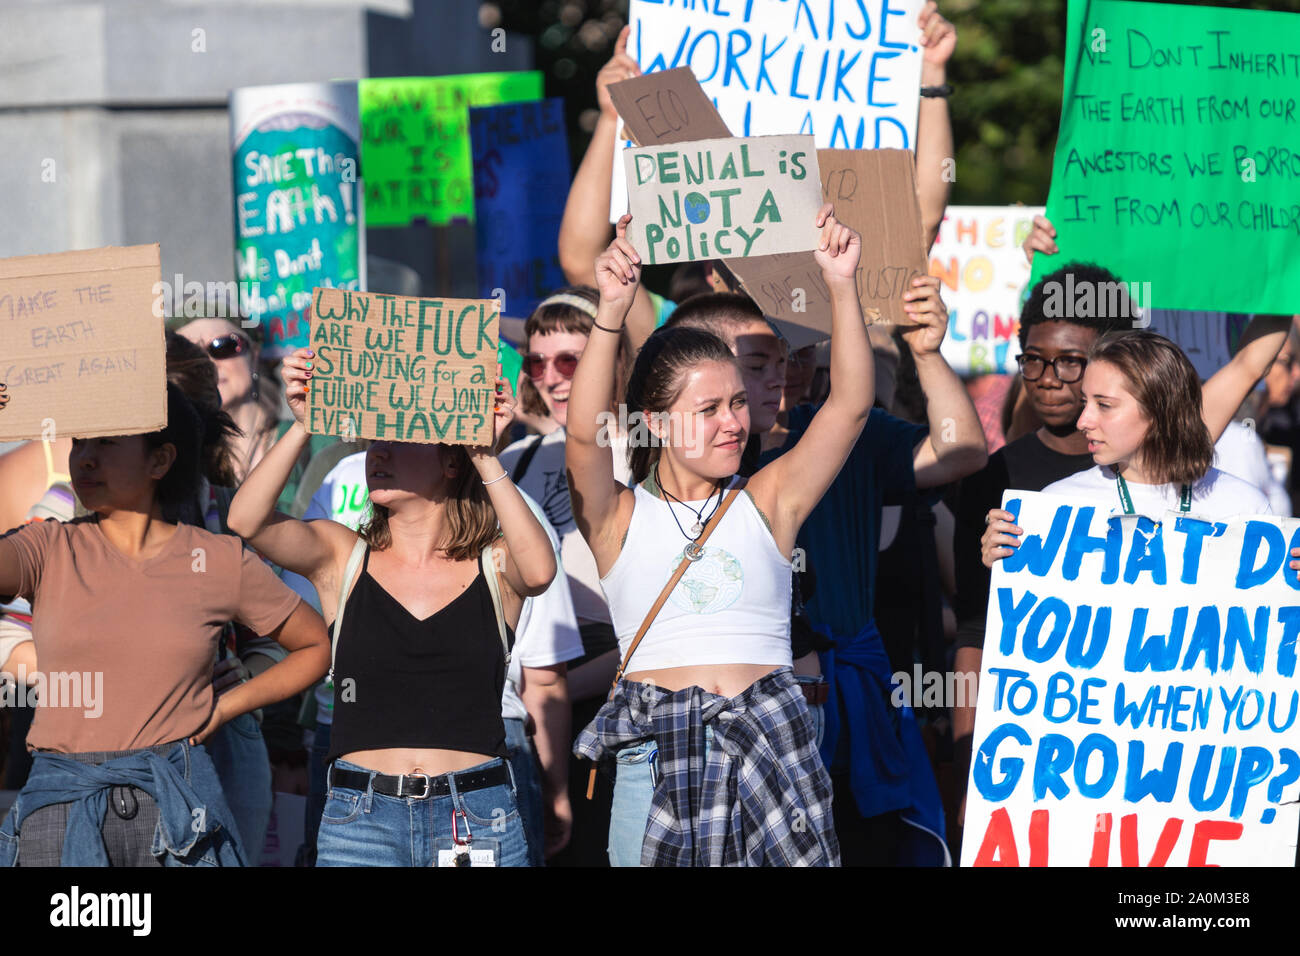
1177 448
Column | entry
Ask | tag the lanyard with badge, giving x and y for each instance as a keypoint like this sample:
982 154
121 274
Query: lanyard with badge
1184 497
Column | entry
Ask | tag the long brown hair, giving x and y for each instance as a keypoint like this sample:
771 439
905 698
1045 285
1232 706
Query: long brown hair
190 369
471 519
657 378
1177 448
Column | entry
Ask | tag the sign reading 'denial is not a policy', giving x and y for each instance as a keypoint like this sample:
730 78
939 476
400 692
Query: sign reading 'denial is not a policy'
403 369
1178 163
81 344
723 197
1138 702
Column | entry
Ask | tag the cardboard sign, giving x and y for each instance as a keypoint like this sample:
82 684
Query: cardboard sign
873 191
728 197
1138 702
81 344
299 221
849 74
1176 166
415 142
403 369
666 107
983 273
521 182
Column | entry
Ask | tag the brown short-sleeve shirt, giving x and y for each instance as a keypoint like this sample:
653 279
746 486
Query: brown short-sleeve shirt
126 646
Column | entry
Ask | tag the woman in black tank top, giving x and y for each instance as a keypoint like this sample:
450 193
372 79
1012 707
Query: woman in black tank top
416 775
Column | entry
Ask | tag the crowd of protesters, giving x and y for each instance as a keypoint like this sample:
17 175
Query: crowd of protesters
586 644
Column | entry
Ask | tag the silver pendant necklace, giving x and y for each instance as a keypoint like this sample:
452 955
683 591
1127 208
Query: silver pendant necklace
693 551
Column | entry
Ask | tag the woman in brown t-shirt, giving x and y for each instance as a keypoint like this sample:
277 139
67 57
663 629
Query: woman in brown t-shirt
128 609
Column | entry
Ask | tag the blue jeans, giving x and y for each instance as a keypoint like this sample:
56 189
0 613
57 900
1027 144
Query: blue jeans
239 754
528 786
635 779
364 828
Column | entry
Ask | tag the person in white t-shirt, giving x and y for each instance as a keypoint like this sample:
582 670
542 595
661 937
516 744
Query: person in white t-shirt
1153 451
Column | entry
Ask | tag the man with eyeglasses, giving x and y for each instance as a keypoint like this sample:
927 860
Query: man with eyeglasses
1054 354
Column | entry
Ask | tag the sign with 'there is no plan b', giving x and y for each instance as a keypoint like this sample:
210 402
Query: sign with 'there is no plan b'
403 369
736 197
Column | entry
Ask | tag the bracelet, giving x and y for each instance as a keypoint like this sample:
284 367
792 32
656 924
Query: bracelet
605 328
937 91
497 478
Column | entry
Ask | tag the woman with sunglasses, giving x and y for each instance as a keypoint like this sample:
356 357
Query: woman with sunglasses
417 775
555 335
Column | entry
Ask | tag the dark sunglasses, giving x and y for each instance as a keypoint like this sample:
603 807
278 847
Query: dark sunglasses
1068 368
228 346
566 363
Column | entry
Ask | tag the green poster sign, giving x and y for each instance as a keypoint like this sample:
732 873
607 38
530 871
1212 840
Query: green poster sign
1178 163
415 150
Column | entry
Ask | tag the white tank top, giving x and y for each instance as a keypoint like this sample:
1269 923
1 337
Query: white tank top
730 607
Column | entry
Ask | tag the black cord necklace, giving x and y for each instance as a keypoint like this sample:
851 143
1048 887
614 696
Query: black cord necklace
692 551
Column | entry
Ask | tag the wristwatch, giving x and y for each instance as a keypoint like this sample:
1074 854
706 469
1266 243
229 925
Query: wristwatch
939 91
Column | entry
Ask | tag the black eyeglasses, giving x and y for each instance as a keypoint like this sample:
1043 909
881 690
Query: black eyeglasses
228 346
1068 368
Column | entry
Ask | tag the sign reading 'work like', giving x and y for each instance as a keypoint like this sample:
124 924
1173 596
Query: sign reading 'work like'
1177 163
403 369
1139 700
723 197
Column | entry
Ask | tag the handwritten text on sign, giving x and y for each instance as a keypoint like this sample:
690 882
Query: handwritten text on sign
1138 702
403 369
724 197
1177 161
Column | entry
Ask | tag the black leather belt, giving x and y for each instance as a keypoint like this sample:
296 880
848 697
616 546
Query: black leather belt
419 785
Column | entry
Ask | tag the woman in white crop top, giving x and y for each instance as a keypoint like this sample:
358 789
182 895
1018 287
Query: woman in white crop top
719 647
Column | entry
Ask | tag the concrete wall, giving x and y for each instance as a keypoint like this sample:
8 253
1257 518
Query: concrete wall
113 115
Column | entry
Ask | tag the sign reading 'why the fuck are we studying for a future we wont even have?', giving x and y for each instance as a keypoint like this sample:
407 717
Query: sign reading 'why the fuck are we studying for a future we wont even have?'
724 197
403 369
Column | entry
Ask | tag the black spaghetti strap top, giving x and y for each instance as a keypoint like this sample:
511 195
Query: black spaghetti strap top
435 684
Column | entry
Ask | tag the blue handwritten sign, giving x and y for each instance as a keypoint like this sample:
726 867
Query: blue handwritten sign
521 179
1138 703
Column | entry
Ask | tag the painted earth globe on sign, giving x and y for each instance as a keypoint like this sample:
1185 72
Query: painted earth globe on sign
697 208
710 584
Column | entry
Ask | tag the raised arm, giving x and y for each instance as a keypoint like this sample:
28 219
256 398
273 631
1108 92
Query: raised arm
1227 388
584 229
309 548
789 488
529 565
602 507
955 446
934 146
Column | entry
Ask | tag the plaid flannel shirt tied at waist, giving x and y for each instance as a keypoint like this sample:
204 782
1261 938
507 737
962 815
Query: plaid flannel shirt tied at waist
761 798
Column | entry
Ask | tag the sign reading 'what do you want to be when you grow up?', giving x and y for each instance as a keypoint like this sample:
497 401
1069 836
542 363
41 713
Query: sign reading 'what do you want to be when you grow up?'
1177 165
847 73
403 369
81 344
1138 701
299 221
723 197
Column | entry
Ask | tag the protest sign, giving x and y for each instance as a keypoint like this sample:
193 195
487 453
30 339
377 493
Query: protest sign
873 191
415 142
1138 699
403 369
1176 166
521 182
81 344
298 210
847 74
666 107
1209 339
983 273
728 197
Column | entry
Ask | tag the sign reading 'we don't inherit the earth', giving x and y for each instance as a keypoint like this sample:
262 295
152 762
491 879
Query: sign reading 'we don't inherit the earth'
403 369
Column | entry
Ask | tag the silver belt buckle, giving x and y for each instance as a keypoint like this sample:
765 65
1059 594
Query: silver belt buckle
410 776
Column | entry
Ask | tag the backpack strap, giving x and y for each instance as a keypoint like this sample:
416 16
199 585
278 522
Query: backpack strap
525 459
494 587
350 572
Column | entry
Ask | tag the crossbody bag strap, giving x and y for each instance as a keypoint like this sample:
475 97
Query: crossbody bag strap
660 601
494 587
526 459
350 572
